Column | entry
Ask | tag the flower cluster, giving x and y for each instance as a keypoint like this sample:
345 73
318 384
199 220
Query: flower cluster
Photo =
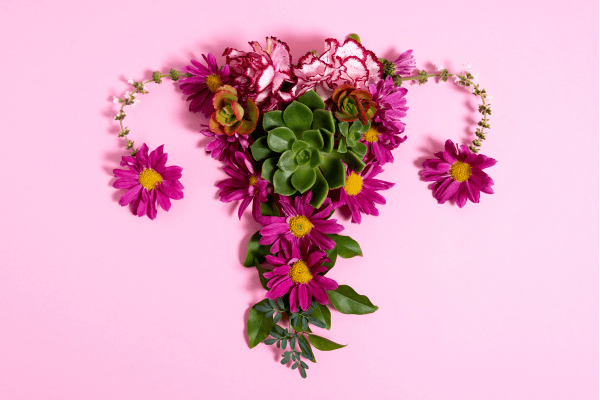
297 142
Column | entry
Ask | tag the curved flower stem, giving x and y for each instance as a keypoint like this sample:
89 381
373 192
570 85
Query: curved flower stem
129 100
466 80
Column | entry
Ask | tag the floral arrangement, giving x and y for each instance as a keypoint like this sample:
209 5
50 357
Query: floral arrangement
299 141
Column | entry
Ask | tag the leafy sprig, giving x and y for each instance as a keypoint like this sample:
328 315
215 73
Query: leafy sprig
130 99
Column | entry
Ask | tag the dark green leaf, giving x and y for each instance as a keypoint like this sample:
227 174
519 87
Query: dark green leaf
273 119
327 141
255 250
298 117
260 149
304 323
277 317
304 178
324 344
268 169
312 100
281 139
269 314
306 349
332 255
323 314
282 182
354 162
346 246
261 274
319 190
316 322
280 303
334 172
303 364
302 372
270 341
263 309
295 365
293 343
347 301
323 119
314 138
284 343
258 325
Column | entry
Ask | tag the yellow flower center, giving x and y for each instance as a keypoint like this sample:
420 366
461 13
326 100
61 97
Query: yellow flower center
300 225
354 184
300 273
252 181
149 178
213 82
371 135
460 171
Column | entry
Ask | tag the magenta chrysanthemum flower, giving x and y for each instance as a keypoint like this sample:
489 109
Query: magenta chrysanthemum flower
359 193
458 174
380 142
346 64
261 73
391 104
223 147
245 184
203 83
301 223
405 63
148 181
297 272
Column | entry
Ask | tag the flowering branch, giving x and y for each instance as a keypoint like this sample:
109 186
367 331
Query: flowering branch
130 100
467 80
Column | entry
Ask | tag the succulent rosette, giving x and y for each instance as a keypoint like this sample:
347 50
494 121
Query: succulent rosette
298 272
203 83
260 74
351 104
458 174
230 117
346 64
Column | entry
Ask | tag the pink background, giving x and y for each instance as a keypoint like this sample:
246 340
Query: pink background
495 301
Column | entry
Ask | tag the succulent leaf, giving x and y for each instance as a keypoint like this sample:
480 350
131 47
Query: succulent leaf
260 149
298 117
304 178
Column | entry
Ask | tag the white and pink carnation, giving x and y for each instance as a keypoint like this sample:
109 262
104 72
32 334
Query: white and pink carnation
348 64
261 73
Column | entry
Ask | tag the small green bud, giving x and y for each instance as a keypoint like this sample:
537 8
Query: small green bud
354 36
129 144
174 74
156 77
397 80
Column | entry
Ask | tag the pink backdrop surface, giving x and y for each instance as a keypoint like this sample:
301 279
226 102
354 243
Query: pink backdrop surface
498 300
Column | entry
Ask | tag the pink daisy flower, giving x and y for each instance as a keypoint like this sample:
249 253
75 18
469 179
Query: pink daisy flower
148 181
458 174
297 272
203 83
223 147
244 183
301 223
405 63
359 193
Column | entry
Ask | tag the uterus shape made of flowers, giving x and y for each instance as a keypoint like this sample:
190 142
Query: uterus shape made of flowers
298 150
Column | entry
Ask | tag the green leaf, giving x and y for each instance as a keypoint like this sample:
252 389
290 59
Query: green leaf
304 178
313 138
268 169
261 275
347 301
299 145
277 316
287 161
327 141
332 255
322 314
312 100
323 119
343 128
302 373
358 127
360 149
346 246
281 139
306 348
324 344
319 190
316 322
298 117
342 146
258 325
316 159
334 172
282 182
255 250
354 162
273 119
270 341
260 149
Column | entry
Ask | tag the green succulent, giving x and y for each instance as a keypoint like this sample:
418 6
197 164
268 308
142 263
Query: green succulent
298 150
351 149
